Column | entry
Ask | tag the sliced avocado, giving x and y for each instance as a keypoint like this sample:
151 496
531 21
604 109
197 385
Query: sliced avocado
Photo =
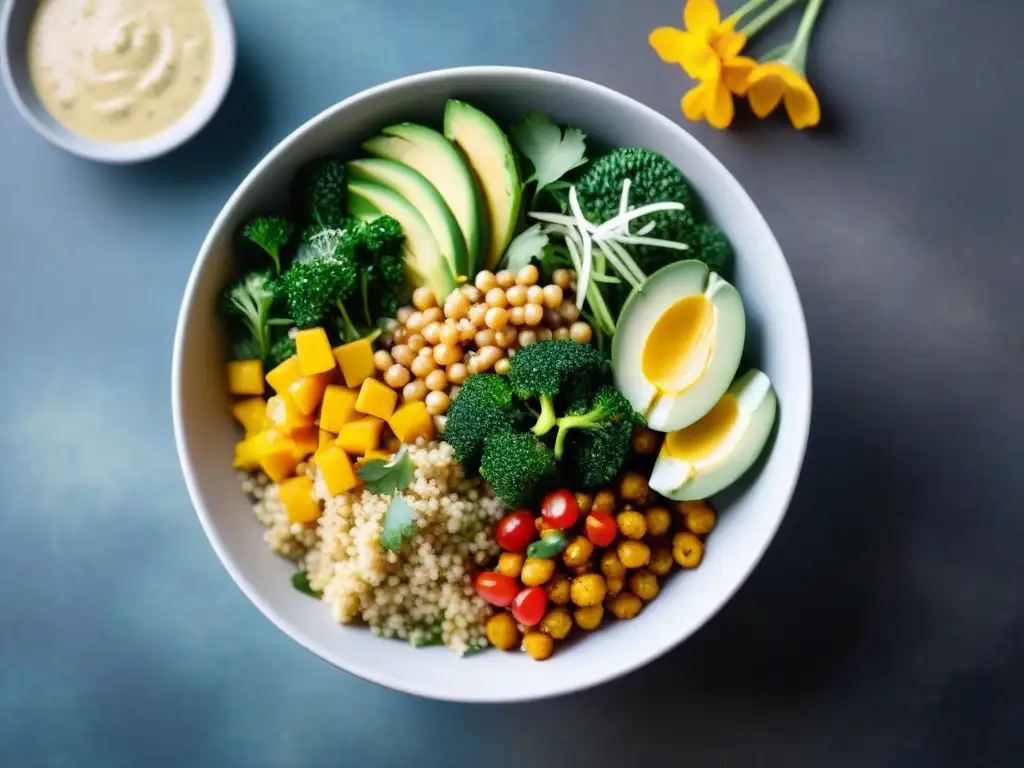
414 187
424 263
430 154
490 155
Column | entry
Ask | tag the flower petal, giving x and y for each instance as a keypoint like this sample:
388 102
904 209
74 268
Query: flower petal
701 62
695 100
764 94
727 43
735 73
670 43
770 69
701 16
719 110
802 106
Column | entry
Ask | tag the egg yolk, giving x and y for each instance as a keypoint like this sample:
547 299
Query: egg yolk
679 346
700 439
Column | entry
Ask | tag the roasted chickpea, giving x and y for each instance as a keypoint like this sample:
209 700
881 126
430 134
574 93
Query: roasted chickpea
432 315
614 585
584 501
415 322
517 315
506 278
633 487
510 564
687 549
526 338
403 315
698 516
538 645
552 295
645 441
486 357
397 376
559 589
556 622
502 631
477 315
659 520
496 318
446 354
457 373
425 352
453 390
535 295
644 585
423 298
401 335
423 365
436 380
544 334
533 314
632 524
528 275
432 333
604 501
382 360
471 292
485 280
466 330
588 589
439 421
625 605
560 334
403 355
496 298
633 554
552 319
578 552
661 561
516 295
505 337
449 334
457 306
569 312
580 332
588 618
437 403
502 366
536 571
413 391
416 342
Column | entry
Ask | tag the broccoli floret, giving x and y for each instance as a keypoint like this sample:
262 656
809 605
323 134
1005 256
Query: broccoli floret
272 234
556 369
713 247
598 432
517 465
280 351
482 406
377 253
251 300
318 284
320 194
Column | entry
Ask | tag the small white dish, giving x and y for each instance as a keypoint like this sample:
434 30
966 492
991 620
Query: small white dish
14 32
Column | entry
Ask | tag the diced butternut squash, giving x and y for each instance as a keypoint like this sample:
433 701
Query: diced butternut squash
336 467
308 392
286 416
355 361
297 496
372 456
412 421
313 349
277 454
286 374
325 438
376 399
251 413
245 377
362 435
246 455
306 440
338 408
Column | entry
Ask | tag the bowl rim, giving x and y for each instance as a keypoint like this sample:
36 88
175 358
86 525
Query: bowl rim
175 135
801 412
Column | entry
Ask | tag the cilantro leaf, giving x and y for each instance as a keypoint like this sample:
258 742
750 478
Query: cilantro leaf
399 524
552 153
300 581
525 248
388 476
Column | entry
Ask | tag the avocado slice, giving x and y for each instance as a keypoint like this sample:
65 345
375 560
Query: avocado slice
430 154
424 197
424 263
490 155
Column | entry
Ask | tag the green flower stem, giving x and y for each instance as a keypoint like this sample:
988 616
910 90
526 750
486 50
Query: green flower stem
797 55
766 17
351 334
747 7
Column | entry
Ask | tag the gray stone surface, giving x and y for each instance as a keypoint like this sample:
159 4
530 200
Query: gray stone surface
885 625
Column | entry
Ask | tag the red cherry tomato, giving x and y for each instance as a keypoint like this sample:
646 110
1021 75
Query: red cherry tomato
600 528
560 510
529 605
496 588
515 531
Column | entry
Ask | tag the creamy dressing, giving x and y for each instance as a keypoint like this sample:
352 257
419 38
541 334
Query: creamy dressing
120 70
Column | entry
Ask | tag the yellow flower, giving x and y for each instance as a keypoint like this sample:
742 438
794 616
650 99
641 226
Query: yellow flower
776 81
705 43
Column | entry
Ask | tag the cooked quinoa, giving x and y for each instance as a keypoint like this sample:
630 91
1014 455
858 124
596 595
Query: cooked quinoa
424 593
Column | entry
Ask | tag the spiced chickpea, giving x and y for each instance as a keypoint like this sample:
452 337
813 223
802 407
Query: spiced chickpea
516 295
423 298
436 380
403 355
506 278
502 366
485 280
382 360
528 275
457 373
496 298
397 376
535 294
414 391
562 278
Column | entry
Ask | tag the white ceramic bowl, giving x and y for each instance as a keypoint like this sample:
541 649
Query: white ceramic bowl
14 28
750 514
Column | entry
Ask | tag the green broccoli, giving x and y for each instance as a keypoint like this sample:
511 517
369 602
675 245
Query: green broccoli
594 435
550 369
320 193
380 262
280 351
482 406
318 283
272 234
713 247
251 300
516 464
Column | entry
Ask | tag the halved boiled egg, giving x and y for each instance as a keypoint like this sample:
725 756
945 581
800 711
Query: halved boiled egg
678 344
706 457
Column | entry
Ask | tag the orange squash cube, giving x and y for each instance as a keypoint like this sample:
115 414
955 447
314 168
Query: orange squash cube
245 377
313 349
372 456
306 440
286 416
376 399
338 408
251 413
412 421
355 361
297 496
308 392
277 454
362 435
325 438
336 468
284 375
246 456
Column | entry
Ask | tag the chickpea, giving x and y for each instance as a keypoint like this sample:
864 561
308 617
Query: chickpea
560 334
472 366
457 306
516 295
457 373
477 314
625 605
449 333
644 585
538 645
659 520
506 278
446 354
425 352
562 278
439 422
436 380
526 338
503 366
588 589
423 365
632 524
415 322
615 585
505 337
569 312
466 329
687 549
413 391
471 292
485 280
604 501
556 622
496 298
502 631
528 275
584 501
416 342
403 315
510 564
588 618
517 315
397 376
661 561
580 333
544 334
496 318
432 333
559 589
432 315
552 295
698 516
535 295
486 357
536 571
423 298
633 554
578 552
552 319
533 314
382 360
645 441
437 403
633 487
402 355
453 391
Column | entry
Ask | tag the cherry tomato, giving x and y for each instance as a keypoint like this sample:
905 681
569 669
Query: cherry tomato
560 510
515 531
600 528
529 606
496 588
